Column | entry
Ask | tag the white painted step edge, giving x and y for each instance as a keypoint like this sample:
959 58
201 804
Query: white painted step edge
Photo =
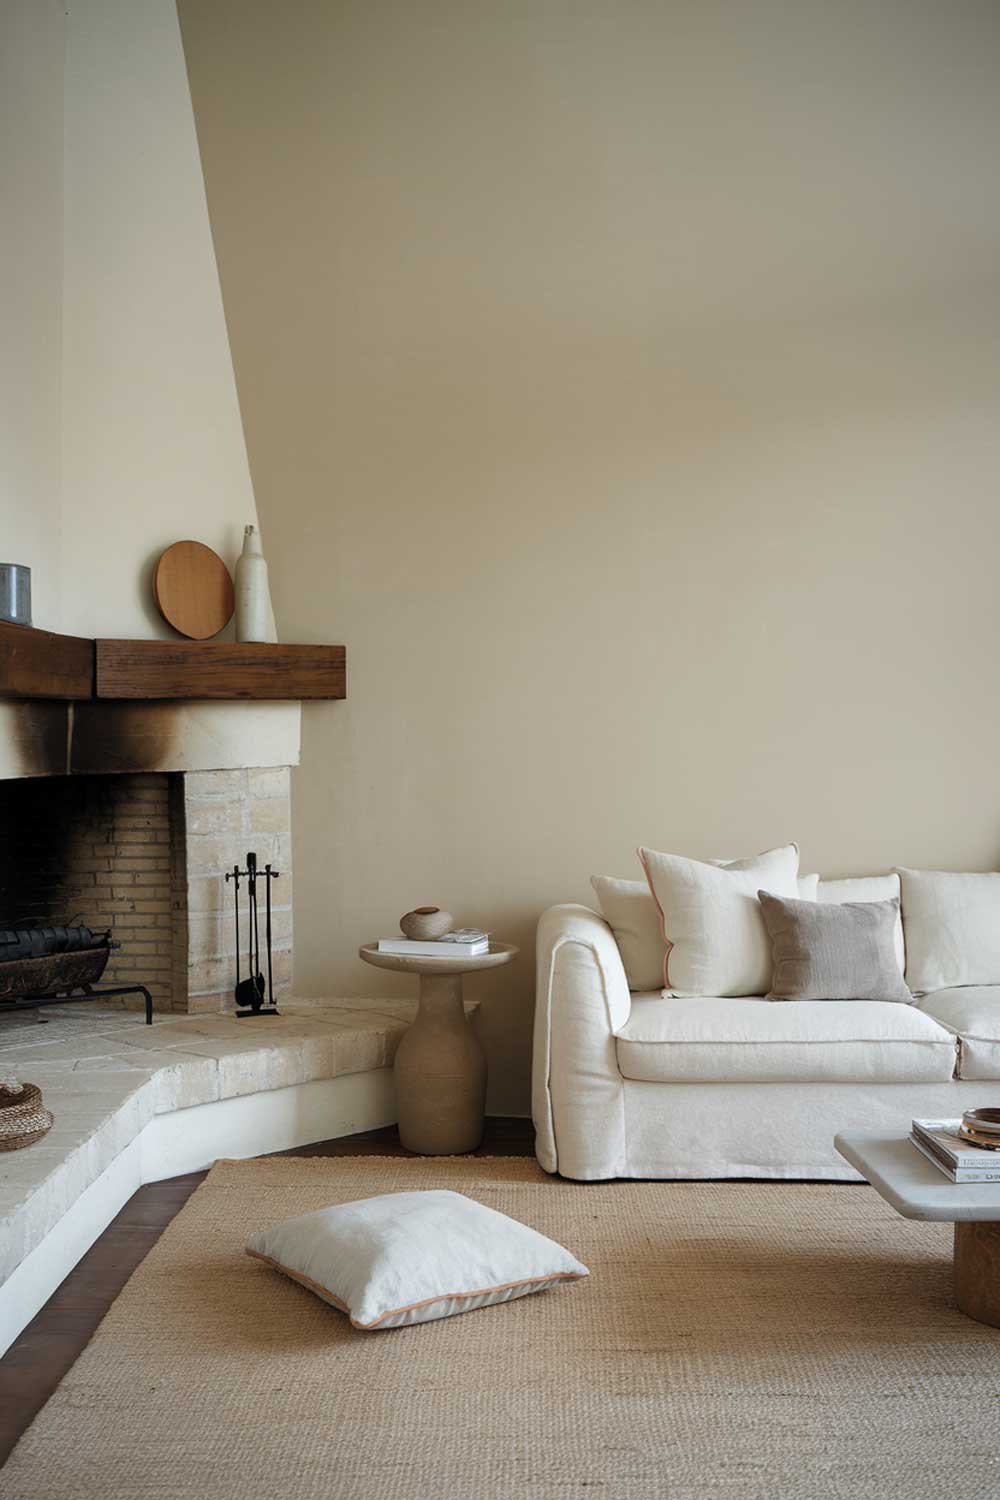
188 1140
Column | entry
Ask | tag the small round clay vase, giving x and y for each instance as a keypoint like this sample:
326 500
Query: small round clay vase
425 923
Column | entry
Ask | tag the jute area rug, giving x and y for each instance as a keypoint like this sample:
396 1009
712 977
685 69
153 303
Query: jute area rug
732 1340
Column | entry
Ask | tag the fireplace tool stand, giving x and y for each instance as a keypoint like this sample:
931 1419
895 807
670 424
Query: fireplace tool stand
252 997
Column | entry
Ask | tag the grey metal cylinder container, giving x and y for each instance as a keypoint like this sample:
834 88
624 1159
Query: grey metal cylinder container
15 593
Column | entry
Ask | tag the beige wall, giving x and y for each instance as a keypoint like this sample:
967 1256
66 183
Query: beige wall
31 210
119 424
153 446
620 383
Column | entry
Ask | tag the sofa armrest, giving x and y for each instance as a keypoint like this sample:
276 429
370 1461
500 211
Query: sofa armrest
581 1001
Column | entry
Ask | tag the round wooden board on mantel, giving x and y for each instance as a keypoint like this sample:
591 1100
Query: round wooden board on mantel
193 590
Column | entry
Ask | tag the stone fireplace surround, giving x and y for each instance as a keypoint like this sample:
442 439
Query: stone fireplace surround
165 796
143 854
128 816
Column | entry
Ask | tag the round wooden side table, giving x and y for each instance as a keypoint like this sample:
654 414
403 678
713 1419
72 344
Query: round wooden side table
440 1067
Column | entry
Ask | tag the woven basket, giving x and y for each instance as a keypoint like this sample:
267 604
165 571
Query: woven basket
23 1117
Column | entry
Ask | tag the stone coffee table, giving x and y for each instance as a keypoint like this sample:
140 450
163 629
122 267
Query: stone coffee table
917 1190
440 1067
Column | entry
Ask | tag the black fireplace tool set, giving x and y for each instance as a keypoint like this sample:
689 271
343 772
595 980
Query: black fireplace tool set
251 993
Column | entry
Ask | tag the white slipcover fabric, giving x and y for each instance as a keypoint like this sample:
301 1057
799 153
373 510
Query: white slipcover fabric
405 1258
581 999
973 1014
952 926
866 888
715 936
804 1041
770 1131
592 1123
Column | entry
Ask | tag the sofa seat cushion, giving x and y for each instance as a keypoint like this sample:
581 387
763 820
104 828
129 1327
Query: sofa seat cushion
973 1014
750 1040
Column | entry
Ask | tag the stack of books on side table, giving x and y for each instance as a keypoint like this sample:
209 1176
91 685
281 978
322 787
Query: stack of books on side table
957 1149
463 942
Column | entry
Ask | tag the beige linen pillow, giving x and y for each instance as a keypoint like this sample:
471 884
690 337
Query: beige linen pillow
952 927
634 918
867 888
808 884
839 951
712 925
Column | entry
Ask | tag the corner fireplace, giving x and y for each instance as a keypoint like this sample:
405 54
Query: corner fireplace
144 855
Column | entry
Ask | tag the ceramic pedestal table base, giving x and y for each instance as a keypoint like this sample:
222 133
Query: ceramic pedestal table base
440 1067
917 1190
440 1073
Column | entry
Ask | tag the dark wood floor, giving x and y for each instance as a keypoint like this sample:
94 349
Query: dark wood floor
36 1362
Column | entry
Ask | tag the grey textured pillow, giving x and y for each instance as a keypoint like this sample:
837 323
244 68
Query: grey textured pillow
842 952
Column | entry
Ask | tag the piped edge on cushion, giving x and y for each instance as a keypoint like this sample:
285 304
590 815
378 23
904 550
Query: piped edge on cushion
668 945
540 1282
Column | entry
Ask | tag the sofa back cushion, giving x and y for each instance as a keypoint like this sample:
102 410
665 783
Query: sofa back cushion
713 931
952 927
867 888
843 951
633 918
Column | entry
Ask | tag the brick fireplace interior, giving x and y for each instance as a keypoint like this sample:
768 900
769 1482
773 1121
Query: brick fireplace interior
145 855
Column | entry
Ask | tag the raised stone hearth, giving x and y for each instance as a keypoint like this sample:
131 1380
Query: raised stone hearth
134 1103
127 816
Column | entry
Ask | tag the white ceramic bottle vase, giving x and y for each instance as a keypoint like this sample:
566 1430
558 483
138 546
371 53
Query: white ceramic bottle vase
253 599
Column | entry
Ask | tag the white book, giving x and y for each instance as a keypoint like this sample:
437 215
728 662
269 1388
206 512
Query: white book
435 948
955 1174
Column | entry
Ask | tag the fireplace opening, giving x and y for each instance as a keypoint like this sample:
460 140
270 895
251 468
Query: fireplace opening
144 856
104 852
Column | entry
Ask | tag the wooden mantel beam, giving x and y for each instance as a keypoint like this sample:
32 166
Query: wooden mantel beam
39 664
210 669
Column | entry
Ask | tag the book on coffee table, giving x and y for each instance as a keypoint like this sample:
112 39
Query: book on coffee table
941 1143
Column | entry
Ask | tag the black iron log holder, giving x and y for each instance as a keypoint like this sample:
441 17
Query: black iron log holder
252 997
86 992
50 977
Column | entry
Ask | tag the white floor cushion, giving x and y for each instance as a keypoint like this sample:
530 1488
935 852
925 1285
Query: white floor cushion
746 1039
973 1014
407 1258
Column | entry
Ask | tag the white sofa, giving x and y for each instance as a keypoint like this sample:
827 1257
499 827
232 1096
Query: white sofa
638 1085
